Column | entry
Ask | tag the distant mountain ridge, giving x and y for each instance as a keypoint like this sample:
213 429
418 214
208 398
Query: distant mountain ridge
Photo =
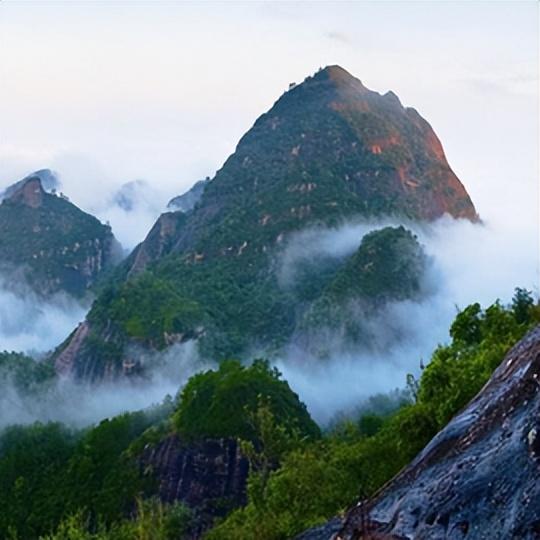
49 242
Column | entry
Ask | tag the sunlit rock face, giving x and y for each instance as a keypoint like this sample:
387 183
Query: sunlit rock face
479 478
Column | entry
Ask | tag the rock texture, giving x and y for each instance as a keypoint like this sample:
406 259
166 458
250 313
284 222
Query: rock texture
49 182
479 478
50 243
209 476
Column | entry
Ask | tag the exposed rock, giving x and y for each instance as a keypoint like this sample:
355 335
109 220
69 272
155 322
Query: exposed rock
63 363
157 243
208 476
49 182
479 478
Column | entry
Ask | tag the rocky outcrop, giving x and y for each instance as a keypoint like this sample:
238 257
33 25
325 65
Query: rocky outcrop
208 476
479 478
48 180
30 193
157 243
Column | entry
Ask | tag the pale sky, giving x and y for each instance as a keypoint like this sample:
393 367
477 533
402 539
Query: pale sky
107 92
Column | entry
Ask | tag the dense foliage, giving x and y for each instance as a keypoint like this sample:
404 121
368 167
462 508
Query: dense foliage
222 403
318 480
22 373
88 485
49 472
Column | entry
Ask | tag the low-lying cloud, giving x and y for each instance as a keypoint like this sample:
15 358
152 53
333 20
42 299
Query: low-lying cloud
79 405
34 325
469 263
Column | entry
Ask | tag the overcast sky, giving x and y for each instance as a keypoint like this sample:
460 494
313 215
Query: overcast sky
108 92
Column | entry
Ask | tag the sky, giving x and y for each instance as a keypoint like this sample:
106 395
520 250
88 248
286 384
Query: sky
109 92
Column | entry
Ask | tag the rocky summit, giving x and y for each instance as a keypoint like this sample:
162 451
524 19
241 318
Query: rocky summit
49 242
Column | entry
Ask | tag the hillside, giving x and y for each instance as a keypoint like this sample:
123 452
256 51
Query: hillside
49 244
329 150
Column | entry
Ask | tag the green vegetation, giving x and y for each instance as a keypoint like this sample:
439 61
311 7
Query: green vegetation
229 302
55 246
23 373
49 472
150 309
60 484
222 403
320 479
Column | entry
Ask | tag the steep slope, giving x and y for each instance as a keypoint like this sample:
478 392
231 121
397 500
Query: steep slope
327 151
49 242
479 477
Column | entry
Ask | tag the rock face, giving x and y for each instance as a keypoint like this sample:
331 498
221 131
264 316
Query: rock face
479 478
157 243
50 243
48 179
209 476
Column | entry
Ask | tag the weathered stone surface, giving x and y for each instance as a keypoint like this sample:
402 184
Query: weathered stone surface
208 476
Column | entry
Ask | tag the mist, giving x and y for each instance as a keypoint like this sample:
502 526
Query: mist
468 263
32 324
79 405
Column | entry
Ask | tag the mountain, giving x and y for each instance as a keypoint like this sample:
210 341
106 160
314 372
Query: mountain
478 478
49 242
329 150
135 195
190 198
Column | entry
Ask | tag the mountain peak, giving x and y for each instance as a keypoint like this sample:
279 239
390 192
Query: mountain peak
30 192
340 77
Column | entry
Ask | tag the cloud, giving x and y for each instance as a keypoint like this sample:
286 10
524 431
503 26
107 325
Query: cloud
79 405
32 324
470 263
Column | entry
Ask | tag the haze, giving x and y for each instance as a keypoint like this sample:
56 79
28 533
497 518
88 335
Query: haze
107 92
